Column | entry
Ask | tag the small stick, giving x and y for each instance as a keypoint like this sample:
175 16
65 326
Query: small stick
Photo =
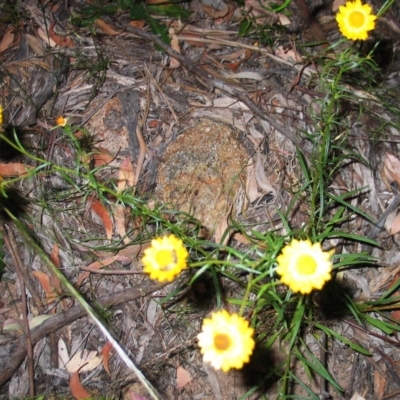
111 272
11 246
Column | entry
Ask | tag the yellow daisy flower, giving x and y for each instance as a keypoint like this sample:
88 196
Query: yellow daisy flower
226 341
61 121
304 266
165 258
355 20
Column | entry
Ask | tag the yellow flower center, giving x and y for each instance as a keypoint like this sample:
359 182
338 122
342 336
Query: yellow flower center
222 342
357 19
306 265
166 259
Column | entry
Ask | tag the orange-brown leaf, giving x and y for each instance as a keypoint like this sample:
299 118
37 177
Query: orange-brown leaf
60 40
107 29
54 257
102 157
138 23
46 285
77 390
13 169
105 352
98 208
7 39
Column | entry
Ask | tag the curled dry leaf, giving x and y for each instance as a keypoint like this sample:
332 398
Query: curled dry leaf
77 390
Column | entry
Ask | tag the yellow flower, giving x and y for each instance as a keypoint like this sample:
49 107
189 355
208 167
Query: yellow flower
61 121
304 266
355 20
226 341
165 258
1 115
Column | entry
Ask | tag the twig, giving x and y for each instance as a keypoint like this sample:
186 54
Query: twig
9 240
18 350
111 272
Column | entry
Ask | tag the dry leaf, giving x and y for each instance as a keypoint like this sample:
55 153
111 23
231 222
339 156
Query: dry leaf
84 361
261 177
101 157
138 23
7 39
214 13
55 259
289 55
379 385
77 390
46 285
16 325
336 4
63 356
60 40
104 27
182 377
392 168
252 192
46 38
105 352
395 226
103 214
96 265
239 237
174 63
126 175
127 253
35 44
283 19
221 229
13 169
119 218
